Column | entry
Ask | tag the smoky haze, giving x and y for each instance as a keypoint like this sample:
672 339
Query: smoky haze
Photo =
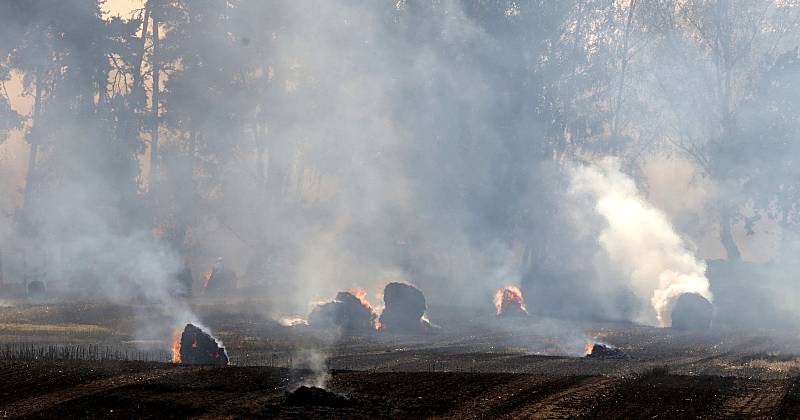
458 145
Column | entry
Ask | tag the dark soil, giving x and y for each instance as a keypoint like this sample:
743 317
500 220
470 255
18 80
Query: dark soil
306 396
127 390
487 368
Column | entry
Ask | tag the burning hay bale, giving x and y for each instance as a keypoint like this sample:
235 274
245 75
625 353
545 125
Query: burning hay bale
603 351
692 312
404 310
347 312
508 301
220 281
313 396
195 347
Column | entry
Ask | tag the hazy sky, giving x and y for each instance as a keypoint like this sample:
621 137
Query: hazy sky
661 173
122 7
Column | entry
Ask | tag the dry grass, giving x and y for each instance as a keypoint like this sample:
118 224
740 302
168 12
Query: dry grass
58 329
775 365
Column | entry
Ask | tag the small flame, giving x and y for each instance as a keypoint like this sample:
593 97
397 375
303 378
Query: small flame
176 346
509 294
194 343
206 279
588 348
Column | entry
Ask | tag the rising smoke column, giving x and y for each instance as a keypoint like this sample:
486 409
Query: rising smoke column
639 239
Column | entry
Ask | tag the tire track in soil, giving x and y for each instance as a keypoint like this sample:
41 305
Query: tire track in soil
789 405
759 400
569 403
33 405
503 400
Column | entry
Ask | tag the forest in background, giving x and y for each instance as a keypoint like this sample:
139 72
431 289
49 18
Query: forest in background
318 144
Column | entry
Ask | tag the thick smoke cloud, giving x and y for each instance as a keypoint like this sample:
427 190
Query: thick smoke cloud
325 145
640 241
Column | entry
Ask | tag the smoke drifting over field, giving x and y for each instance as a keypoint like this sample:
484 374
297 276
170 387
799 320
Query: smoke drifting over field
640 241
325 145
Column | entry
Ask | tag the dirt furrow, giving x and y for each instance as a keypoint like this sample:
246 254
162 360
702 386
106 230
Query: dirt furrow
569 403
32 405
761 400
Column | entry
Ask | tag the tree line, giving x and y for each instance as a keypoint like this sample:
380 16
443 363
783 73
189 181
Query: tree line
235 113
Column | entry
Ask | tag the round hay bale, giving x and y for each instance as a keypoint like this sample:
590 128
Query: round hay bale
199 348
221 282
692 312
345 312
404 307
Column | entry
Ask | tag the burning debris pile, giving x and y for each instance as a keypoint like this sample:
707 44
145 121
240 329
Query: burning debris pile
405 308
195 347
508 301
603 351
313 396
350 312
692 312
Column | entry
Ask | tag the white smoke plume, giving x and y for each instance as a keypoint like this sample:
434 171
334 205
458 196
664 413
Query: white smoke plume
639 239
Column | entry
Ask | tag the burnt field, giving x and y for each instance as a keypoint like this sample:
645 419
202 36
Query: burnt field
89 360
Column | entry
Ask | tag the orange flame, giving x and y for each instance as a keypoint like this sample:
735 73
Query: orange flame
509 295
588 348
176 346
206 279
361 295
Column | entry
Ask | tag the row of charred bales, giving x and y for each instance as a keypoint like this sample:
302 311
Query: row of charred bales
404 312
405 308
690 312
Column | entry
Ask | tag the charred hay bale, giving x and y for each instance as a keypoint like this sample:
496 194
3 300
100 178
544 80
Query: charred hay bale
346 312
313 396
199 348
221 282
404 307
692 312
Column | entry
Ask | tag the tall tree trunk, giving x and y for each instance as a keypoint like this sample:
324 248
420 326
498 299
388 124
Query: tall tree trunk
623 69
261 174
726 235
156 81
33 140
138 84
